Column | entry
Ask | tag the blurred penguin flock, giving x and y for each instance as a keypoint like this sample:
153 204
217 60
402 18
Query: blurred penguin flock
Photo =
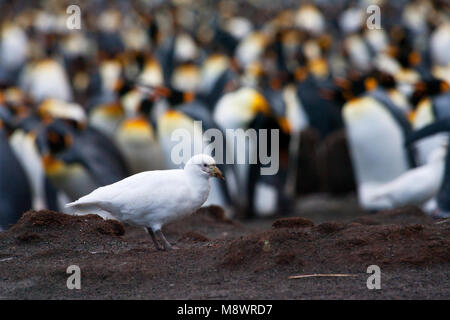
358 109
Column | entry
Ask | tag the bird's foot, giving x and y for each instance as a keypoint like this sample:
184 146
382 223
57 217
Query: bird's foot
169 247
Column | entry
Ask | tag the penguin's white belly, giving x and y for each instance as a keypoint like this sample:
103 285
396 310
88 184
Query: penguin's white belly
25 150
427 145
74 181
50 82
378 155
107 126
377 148
266 198
141 154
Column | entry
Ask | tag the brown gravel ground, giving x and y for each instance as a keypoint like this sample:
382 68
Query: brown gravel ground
224 259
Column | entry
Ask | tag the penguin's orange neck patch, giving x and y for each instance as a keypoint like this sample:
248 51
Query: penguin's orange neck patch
259 104
370 84
113 110
412 116
318 67
173 114
188 97
139 124
285 125
51 165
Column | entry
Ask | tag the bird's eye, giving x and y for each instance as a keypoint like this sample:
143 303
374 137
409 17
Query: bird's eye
205 165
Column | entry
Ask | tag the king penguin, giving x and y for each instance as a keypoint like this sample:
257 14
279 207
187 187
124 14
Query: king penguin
441 205
432 98
376 139
15 189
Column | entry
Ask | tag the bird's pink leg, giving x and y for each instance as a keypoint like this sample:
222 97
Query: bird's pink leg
166 243
150 232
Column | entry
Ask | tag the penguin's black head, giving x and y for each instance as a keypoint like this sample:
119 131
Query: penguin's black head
6 119
55 138
146 106
385 80
29 122
123 86
428 88
352 86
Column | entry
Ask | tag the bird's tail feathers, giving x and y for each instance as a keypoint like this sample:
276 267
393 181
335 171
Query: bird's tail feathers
82 210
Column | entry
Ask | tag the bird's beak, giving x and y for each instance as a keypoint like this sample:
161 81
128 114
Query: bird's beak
215 172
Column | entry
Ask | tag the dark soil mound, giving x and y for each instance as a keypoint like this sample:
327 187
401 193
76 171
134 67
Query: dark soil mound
293 222
206 220
402 216
348 247
41 225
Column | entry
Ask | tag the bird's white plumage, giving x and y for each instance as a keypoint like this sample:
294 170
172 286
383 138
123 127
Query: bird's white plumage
153 198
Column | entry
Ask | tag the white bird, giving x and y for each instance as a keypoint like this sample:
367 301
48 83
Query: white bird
154 198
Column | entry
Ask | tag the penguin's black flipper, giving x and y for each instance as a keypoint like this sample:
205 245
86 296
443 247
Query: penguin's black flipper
101 157
166 57
6 116
111 150
110 43
441 105
153 32
15 190
399 116
224 40
442 125
279 51
89 148
443 196
276 101
51 195
211 97
198 112
322 113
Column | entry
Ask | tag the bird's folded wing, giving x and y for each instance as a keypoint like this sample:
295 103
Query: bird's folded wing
143 191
